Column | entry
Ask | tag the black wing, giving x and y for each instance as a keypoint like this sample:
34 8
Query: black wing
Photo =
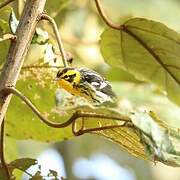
97 81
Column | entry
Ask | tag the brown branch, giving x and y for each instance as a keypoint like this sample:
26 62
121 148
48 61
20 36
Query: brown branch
44 16
18 49
3 162
5 3
105 18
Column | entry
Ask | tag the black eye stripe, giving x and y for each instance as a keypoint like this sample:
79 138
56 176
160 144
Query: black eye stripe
69 78
61 72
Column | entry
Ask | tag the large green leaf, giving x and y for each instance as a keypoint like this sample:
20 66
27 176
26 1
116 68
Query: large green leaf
147 49
22 123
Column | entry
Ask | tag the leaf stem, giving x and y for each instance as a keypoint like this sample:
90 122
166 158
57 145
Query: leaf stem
105 18
44 16
5 3
14 91
76 115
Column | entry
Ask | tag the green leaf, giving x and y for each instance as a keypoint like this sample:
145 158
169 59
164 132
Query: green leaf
19 164
147 49
23 163
136 139
22 123
160 141
11 151
3 27
5 13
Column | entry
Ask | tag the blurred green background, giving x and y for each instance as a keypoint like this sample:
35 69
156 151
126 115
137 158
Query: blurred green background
91 156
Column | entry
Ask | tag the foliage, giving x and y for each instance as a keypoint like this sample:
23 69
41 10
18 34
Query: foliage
147 51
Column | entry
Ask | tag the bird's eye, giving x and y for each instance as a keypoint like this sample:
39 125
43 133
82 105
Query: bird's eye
65 77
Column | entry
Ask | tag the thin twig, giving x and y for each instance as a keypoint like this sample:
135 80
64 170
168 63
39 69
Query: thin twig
5 3
3 162
58 37
75 116
105 18
36 111
8 37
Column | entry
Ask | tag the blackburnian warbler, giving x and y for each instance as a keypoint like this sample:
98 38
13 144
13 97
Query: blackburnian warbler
85 83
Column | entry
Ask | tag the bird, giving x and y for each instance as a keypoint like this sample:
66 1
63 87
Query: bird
86 83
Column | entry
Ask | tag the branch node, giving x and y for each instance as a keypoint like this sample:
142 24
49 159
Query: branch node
8 36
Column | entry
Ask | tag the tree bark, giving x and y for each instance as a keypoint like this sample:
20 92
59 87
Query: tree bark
18 50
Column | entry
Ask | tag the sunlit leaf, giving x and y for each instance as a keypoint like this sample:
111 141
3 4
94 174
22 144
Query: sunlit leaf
147 49
5 13
41 90
11 152
23 164
138 140
161 141
19 164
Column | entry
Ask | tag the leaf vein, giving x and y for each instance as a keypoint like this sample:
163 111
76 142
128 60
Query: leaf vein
155 56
